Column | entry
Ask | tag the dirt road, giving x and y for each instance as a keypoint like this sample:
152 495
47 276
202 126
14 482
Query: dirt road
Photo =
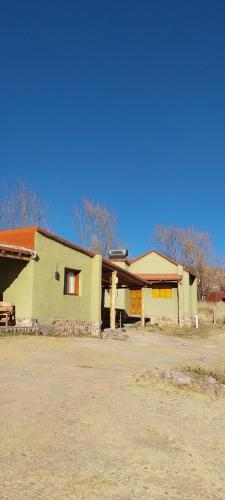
74 425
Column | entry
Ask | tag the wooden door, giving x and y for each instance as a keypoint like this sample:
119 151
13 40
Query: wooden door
135 302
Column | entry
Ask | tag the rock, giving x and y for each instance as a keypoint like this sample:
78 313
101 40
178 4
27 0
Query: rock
116 334
181 379
109 332
121 336
216 387
222 388
45 329
167 375
210 381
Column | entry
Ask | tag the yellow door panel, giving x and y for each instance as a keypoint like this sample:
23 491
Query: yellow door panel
135 302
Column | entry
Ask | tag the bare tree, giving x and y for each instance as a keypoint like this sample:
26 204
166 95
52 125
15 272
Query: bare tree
194 249
96 226
21 206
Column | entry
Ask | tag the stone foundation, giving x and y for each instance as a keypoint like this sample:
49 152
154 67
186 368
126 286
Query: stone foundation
58 327
172 320
18 330
75 327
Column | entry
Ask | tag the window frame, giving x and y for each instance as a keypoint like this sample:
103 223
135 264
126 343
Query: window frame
76 273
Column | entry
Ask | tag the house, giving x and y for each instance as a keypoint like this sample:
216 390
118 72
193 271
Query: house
50 279
171 295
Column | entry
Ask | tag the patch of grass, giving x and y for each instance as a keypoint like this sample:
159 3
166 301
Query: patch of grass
154 378
199 373
192 333
206 312
184 332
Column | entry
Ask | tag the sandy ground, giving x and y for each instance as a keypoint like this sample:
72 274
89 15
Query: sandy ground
75 425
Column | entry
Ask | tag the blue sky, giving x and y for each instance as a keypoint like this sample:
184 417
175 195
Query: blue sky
122 102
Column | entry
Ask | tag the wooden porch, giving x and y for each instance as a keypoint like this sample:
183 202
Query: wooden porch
114 278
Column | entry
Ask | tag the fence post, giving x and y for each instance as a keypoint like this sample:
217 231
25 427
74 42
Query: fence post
214 313
196 321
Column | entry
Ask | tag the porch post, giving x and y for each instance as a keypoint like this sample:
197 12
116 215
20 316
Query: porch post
143 307
96 295
180 302
180 296
113 300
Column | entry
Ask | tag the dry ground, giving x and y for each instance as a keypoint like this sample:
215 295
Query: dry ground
75 425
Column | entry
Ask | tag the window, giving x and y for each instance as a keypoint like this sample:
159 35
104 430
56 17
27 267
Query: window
72 282
162 293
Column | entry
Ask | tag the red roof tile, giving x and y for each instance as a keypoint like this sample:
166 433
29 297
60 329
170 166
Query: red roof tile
22 237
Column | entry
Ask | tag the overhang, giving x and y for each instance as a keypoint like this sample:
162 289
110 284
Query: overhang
16 252
161 277
125 278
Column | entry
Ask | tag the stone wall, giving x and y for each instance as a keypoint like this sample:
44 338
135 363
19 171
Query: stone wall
76 327
59 327
172 320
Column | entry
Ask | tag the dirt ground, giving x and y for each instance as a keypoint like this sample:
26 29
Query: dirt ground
75 425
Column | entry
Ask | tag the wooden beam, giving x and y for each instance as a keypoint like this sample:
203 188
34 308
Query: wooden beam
113 300
179 299
10 256
143 307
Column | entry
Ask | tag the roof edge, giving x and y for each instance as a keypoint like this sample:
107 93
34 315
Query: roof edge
48 234
114 267
67 243
154 251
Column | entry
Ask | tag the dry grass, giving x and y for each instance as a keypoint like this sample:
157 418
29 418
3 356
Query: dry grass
205 312
200 373
205 331
73 426
153 378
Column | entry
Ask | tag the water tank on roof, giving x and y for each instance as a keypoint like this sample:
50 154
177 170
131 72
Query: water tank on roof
121 253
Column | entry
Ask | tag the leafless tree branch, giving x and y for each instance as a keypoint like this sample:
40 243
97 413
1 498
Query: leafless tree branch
195 250
20 206
96 226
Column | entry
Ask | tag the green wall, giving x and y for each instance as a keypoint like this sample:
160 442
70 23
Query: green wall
152 264
160 307
157 264
49 300
33 288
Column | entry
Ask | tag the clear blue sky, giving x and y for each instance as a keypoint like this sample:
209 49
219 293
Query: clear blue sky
119 101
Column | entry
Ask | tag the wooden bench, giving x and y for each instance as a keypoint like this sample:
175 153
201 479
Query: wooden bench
7 314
